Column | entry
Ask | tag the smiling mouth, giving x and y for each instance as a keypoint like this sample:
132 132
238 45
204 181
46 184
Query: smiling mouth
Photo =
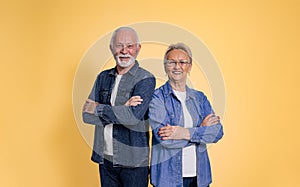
124 58
177 72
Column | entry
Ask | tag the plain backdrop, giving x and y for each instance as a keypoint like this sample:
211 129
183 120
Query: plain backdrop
256 45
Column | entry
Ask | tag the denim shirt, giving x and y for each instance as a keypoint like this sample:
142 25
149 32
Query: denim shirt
131 128
166 159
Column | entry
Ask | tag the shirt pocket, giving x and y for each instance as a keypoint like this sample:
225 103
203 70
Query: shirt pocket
104 97
196 113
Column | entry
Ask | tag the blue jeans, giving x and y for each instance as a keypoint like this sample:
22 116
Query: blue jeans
122 176
190 182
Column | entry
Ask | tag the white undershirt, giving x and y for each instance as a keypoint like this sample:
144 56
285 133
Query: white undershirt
108 129
188 153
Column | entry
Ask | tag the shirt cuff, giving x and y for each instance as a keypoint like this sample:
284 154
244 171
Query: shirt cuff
99 110
194 134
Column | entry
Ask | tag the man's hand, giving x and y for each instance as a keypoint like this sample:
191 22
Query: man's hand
174 133
210 119
89 106
134 101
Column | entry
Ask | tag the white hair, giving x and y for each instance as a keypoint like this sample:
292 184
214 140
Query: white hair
112 40
180 46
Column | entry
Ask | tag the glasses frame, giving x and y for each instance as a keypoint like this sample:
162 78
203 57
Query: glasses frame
173 63
121 46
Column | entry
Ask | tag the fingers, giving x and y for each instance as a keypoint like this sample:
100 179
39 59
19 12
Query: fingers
134 101
210 119
168 126
85 106
136 97
166 131
215 120
169 132
89 106
166 138
89 101
210 115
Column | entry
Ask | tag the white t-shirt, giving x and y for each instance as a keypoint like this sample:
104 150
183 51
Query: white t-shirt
108 129
188 153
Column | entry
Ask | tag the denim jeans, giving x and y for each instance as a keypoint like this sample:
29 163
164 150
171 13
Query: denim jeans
122 176
189 181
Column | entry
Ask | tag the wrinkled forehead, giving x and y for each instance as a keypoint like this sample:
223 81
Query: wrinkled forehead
125 37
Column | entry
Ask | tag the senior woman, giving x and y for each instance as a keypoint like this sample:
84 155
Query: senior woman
182 122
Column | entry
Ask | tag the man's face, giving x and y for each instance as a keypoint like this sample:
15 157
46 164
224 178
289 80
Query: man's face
125 48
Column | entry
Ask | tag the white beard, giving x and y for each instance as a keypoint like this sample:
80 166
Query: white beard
125 64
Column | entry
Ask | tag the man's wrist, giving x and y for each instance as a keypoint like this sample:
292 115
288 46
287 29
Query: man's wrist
99 110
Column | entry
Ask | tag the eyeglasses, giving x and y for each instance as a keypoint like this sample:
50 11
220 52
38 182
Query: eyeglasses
173 63
122 46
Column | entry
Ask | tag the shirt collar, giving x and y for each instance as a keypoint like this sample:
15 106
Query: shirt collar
168 91
132 70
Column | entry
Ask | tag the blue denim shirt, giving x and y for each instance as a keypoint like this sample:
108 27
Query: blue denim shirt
131 128
166 160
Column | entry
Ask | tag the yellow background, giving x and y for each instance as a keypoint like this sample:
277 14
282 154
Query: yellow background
255 43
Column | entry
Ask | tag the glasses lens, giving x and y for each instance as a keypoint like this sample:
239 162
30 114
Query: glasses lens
173 63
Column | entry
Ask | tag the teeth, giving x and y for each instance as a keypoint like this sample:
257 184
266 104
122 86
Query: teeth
123 58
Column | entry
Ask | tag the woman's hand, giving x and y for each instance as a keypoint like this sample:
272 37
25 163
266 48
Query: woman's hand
210 119
174 133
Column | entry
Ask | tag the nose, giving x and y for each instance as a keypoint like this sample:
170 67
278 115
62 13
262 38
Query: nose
124 49
177 65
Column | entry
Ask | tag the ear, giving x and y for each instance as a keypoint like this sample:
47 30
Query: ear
165 68
111 49
138 48
190 68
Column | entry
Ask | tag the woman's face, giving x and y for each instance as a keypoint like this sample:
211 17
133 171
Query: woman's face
178 65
